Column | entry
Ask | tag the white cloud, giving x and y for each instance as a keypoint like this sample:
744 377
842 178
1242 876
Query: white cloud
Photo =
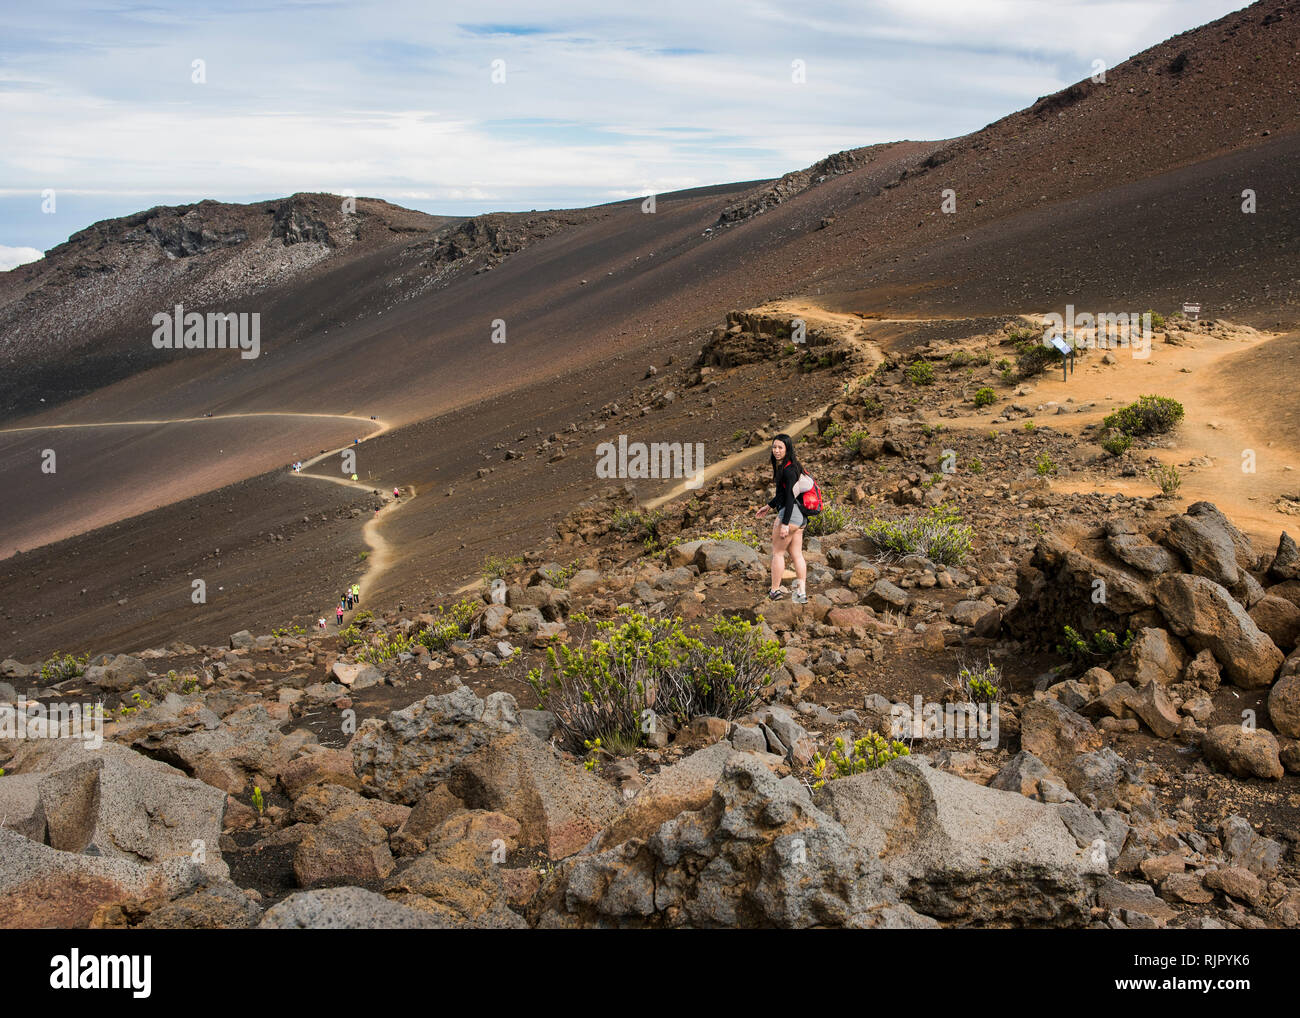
389 98
12 257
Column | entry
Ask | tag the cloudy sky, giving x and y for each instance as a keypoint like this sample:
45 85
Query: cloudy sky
471 107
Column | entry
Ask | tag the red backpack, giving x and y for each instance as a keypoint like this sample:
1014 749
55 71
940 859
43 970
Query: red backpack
811 500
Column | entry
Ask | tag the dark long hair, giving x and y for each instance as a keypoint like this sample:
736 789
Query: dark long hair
777 468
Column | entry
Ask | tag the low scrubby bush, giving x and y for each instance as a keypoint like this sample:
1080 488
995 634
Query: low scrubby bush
870 752
939 535
1149 415
460 620
610 687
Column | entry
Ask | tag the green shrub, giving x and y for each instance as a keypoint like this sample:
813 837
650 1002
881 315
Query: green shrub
1102 644
1167 478
383 645
831 433
939 535
610 687
1150 415
637 525
974 465
831 520
980 685
1117 443
349 636
921 373
1032 357
985 397
866 754
451 624
1157 319
495 568
63 666
735 532
1046 466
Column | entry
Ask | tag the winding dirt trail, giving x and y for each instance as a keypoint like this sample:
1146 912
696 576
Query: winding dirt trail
382 426
380 556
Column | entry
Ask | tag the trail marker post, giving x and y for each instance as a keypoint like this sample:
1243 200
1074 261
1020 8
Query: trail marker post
1193 311
1067 356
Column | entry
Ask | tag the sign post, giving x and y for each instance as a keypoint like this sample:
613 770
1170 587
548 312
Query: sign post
1067 356
1193 311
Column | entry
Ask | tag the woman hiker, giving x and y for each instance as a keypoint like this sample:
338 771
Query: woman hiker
787 527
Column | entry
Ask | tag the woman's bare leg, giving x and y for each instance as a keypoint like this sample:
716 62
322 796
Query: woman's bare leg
796 555
778 554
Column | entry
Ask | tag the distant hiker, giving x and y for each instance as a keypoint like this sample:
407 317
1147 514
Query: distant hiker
787 527
339 612
356 593
396 493
321 622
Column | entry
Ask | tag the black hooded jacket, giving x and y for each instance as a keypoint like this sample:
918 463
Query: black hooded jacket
785 476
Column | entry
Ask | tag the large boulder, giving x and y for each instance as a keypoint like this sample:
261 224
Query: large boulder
120 673
1286 562
1206 546
1278 618
346 908
1074 578
414 749
726 556
350 846
1154 656
20 805
222 905
1055 734
1208 513
963 852
758 855
1246 752
1208 617
559 806
43 888
1156 710
246 749
118 804
1244 847
459 879
1284 706
684 786
1140 552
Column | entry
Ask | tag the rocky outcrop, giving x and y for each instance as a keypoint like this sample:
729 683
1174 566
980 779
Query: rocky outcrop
1209 618
42 887
964 853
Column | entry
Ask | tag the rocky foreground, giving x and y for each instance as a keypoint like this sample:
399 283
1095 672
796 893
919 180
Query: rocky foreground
282 783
